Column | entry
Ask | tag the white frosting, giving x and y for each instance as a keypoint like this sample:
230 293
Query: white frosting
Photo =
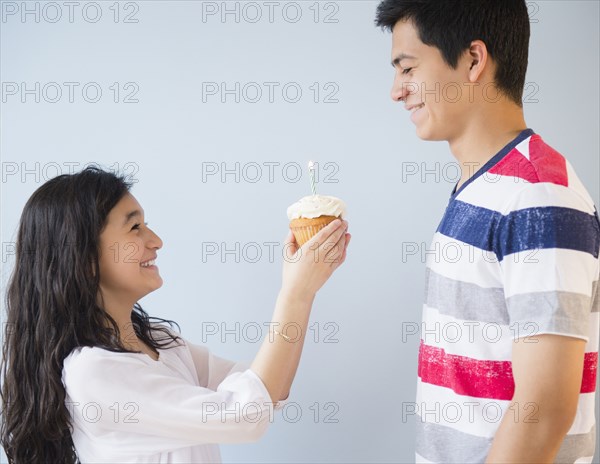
314 206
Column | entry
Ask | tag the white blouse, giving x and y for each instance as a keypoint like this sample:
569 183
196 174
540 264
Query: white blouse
128 408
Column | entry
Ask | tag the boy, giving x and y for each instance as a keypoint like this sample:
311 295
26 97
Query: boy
509 350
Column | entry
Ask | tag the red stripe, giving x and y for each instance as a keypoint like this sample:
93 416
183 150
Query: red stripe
514 164
545 164
549 164
483 379
590 369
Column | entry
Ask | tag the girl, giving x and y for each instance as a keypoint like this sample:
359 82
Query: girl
89 376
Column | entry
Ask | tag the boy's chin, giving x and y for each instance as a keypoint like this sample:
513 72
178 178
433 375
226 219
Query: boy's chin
429 136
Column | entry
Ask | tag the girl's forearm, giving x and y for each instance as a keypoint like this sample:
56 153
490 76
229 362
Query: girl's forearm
277 360
295 361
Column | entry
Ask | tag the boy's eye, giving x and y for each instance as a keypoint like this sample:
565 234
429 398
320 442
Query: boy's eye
406 71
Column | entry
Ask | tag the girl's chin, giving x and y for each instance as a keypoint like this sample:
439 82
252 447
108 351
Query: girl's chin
153 288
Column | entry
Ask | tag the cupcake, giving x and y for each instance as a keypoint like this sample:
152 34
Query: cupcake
310 214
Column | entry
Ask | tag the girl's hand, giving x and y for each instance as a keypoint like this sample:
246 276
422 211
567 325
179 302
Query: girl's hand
305 270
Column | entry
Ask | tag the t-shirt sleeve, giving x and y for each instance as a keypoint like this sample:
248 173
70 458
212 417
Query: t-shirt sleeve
547 243
159 410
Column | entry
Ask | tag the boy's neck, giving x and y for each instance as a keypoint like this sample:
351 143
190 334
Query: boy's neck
485 136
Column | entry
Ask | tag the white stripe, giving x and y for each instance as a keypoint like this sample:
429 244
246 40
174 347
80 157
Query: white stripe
481 340
593 333
499 193
547 269
476 416
584 419
544 194
421 460
523 147
479 416
460 261
492 191
578 187
584 460
473 339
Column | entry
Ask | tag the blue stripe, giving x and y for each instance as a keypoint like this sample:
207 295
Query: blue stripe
470 224
525 229
548 227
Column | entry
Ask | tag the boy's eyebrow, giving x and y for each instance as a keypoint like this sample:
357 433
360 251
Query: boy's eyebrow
129 216
400 57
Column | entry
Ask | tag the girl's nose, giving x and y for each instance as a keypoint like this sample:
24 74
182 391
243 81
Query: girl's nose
154 241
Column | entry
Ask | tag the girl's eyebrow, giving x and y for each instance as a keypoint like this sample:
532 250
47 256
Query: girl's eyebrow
129 216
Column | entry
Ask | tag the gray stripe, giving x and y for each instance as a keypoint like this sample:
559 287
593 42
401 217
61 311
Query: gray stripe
561 312
577 446
438 443
464 300
537 312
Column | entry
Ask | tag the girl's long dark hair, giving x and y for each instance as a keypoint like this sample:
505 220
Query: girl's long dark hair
52 308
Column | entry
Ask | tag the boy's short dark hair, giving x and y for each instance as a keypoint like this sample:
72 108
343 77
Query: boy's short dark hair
451 25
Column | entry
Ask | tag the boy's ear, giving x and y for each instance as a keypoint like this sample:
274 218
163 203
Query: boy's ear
478 55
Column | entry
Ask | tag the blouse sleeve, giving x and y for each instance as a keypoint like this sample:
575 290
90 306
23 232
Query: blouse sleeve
165 411
212 369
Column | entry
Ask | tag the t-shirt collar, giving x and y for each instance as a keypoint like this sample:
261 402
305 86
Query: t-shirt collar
495 159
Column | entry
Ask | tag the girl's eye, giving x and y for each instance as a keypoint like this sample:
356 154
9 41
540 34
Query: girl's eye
137 226
406 71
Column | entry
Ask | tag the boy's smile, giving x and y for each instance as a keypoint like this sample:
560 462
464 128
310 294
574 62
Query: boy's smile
436 95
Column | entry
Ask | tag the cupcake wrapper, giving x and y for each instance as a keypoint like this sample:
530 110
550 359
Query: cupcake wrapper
304 233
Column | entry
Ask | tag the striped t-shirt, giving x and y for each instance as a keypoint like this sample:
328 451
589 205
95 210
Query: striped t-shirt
515 255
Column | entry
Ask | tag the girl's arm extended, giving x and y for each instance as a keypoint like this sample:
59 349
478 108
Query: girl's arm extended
303 275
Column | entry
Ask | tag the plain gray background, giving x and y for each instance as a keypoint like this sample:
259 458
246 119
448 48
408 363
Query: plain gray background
359 364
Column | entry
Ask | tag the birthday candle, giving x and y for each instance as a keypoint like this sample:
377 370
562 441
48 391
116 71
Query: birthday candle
311 171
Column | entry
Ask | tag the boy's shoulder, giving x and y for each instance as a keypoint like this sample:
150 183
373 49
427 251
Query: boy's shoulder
535 161
532 174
